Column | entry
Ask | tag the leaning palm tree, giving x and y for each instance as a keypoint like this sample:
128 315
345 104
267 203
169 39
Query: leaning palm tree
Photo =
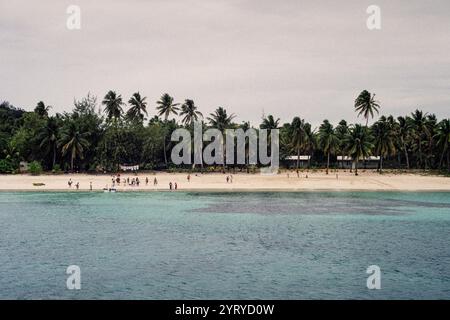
420 131
298 136
328 140
384 139
443 140
41 109
190 112
73 142
113 105
220 120
166 106
48 138
366 105
138 107
358 144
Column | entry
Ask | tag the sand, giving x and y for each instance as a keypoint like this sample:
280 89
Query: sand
368 180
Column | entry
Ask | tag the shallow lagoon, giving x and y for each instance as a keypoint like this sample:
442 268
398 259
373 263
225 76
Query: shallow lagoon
180 245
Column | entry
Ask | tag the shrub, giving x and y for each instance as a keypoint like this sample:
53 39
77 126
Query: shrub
35 168
6 166
56 168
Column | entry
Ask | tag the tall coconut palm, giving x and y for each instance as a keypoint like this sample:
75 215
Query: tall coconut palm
166 106
138 107
190 112
403 133
443 140
310 143
384 135
113 105
41 109
220 120
73 142
420 131
358 144
48 138
341 132
269 123
298 136
328 140
366 105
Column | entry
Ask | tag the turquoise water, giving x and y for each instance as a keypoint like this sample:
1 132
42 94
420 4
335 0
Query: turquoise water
225 245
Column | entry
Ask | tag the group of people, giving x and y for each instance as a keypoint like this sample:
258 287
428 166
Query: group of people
77 185
230 178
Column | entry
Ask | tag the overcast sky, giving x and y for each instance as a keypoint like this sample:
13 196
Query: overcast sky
286 57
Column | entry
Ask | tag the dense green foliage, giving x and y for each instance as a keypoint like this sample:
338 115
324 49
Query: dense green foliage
89 139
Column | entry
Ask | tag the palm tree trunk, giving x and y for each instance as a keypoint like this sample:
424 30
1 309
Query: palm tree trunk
54 155
406 155
71 163
420 153
298 157
328 161
381 164
356 167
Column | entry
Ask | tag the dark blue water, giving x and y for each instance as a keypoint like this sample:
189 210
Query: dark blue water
225 245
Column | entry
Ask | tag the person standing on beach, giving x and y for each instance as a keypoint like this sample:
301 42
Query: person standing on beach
189 178
228 179
90 185
69 183
170 185
155 182
176 186
77 185
146 181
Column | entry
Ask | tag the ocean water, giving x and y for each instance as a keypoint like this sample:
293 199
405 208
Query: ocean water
180 245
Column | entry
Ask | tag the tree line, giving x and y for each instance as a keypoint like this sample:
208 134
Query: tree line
98 137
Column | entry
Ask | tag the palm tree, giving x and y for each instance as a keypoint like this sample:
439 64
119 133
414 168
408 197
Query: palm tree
220 120
138 107
190 113
310 141
419 125
113 105
358 144
341 132
41 109
270 124
366 105
166 106
384 139
73 142
403 132
328 140
298 136
443 140
49 137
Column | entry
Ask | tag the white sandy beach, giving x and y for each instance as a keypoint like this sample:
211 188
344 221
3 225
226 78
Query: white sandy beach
369 180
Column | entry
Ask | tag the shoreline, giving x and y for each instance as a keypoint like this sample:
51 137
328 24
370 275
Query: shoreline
341 181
